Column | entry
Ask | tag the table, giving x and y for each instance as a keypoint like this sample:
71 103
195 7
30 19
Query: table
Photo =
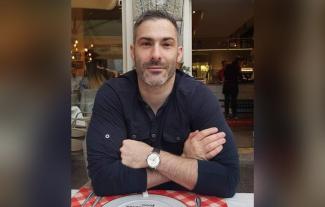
239 200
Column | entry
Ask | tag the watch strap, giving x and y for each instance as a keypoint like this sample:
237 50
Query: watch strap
156 150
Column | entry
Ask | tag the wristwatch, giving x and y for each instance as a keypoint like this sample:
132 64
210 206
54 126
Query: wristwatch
153 159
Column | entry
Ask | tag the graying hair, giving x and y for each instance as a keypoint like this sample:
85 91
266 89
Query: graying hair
154 15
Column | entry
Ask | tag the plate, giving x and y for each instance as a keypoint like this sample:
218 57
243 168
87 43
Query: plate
141 201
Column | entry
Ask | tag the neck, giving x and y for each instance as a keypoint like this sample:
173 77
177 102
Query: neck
155 96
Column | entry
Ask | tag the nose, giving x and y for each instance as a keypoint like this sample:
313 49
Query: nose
156 53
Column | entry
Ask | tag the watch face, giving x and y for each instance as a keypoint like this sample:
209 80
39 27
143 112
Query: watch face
153 160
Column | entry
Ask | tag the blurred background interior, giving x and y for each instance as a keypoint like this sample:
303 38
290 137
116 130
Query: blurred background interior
221 31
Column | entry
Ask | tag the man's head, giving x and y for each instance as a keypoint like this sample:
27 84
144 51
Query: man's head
155 48
224 63
237 61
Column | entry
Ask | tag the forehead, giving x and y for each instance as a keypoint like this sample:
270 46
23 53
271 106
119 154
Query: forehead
156 28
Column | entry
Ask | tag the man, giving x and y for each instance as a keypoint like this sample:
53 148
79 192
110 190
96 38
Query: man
156 127
230 87
221 72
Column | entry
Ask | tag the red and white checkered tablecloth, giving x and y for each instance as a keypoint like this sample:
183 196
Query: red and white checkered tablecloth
185 197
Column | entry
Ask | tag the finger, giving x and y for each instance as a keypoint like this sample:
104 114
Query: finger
214 145
206 132
192 134
221 135
212 138
125 142
123 153
122 157
209 139
214 152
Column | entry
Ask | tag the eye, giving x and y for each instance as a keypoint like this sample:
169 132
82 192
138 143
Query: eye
145 43
167 44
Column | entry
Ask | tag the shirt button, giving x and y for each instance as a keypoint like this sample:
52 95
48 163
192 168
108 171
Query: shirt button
178 138
153 137
133 136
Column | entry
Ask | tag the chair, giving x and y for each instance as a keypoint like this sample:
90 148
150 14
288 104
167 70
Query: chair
80 118
79 125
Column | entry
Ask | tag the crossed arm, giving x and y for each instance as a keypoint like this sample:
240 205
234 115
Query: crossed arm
200 145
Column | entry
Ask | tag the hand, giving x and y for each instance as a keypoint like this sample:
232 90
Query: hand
204 145
134 153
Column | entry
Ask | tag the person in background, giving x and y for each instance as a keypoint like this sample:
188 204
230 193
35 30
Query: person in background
156 127
221 71
75 80
84 84
232 74
95 76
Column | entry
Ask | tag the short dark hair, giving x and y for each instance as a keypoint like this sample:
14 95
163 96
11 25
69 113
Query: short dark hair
237 60
154 15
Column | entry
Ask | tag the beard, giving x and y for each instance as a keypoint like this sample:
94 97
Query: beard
155 79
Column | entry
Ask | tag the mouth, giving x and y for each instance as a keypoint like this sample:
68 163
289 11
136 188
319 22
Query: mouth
155 69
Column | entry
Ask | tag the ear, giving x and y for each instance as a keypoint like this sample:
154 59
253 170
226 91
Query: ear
179 54
132 52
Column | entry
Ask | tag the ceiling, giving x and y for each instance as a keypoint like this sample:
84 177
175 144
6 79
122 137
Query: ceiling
221 18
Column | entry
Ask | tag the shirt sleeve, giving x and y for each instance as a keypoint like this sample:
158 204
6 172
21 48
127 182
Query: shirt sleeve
220 175
104 138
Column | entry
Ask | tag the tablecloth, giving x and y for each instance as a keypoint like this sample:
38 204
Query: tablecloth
185 197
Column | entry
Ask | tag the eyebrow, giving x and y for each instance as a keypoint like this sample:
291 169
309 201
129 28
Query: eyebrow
150 39
169 39
145 38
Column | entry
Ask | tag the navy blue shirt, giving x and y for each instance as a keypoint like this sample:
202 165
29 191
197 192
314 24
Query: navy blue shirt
120 113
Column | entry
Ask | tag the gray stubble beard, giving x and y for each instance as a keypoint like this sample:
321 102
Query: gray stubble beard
141 75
